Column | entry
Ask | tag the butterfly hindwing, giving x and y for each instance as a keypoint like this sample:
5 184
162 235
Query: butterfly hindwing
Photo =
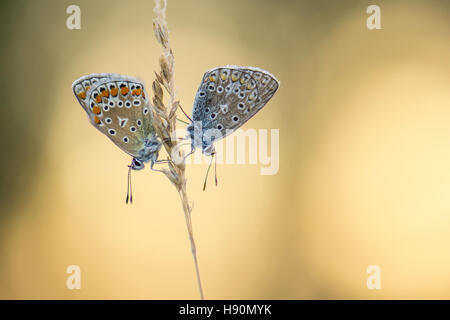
81 86
118 107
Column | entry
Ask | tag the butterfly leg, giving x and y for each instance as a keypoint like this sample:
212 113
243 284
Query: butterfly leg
190 152
152 163
162 161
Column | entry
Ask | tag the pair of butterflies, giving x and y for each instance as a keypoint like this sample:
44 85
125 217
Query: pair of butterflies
119 107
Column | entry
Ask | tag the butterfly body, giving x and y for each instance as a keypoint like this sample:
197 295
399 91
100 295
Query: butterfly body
226 99
118 107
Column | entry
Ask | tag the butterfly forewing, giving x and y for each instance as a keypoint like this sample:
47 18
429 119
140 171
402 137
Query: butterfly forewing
229 96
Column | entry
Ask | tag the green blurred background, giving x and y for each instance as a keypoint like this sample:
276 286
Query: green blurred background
364 172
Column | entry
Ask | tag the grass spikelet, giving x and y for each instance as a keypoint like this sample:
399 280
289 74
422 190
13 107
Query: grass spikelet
165 122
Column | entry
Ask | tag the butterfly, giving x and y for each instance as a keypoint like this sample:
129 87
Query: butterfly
118 107
226 99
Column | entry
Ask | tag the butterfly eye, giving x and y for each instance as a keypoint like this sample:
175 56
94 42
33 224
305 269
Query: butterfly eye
132 129
206 110
137 165
108 120
128 104
125 139
112 132
241 106
120 104
105 107
213 115
145 111
111 103
219 89
202 93
139 122
136 102
241 95
235 118
211 87
219 126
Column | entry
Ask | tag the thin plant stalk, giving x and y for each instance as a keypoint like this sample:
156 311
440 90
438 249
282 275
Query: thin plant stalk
165 123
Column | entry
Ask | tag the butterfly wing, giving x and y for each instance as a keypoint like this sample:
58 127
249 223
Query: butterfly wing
229 96
81 86
118 107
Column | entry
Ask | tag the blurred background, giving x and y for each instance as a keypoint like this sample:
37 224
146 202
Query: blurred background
364 177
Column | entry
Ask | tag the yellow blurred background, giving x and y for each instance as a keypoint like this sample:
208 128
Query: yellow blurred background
364 177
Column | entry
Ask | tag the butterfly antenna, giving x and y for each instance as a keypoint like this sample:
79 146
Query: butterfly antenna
207 172
215 169
182 121
129 188
185 113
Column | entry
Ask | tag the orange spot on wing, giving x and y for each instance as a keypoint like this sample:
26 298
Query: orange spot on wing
82 95
133 92
96 120
98 99
105 93
138 91
114 92
124 91
143 94
96 110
